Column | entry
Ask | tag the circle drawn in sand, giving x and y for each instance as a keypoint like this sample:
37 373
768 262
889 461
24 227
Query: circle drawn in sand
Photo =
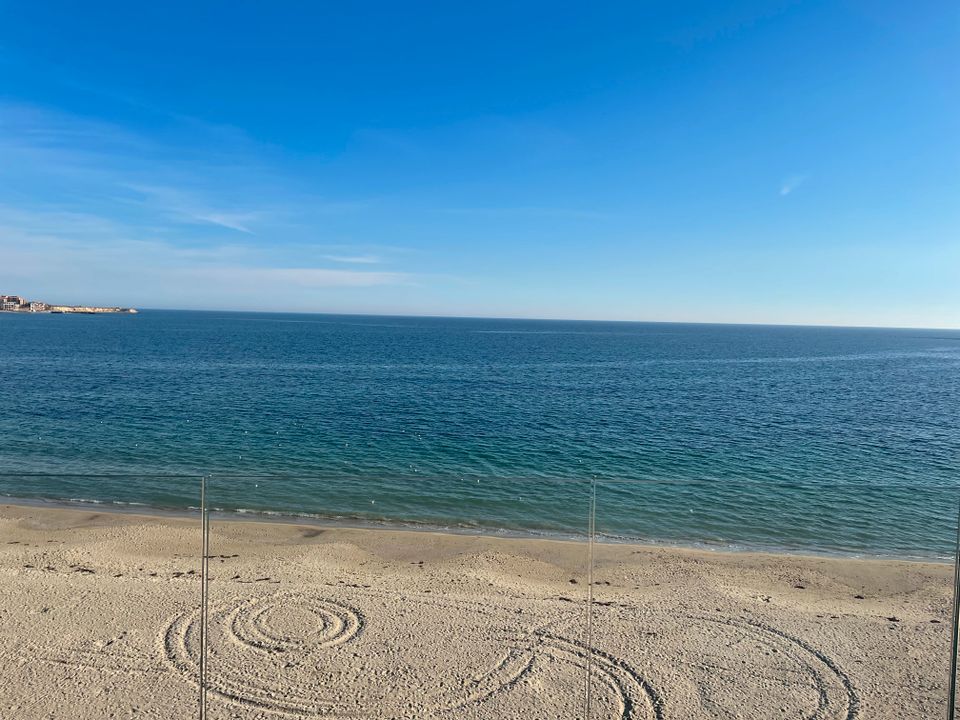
283 654
733 667
306 656
777 661
285 623
252 639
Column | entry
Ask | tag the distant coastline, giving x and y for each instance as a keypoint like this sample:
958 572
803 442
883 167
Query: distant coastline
16 303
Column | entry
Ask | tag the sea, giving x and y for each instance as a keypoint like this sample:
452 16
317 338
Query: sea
795 439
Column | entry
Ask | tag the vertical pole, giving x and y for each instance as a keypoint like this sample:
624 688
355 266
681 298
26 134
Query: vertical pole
954 629
591 532
205 547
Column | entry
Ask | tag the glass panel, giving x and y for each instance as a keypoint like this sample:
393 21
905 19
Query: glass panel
95 586
756 600
416 597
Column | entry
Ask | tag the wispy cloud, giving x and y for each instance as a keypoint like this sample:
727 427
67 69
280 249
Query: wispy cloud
78 257
791 183
269 279
218 180
231 222
354 259
96 212
530 211
186 207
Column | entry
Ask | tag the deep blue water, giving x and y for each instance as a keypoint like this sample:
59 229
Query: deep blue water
809 439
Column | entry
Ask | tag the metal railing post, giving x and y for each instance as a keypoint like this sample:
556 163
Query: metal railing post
204 579
954 629
591 532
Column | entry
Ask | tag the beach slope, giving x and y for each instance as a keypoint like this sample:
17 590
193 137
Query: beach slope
100 619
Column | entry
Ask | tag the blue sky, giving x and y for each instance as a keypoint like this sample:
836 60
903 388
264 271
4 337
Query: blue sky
791 162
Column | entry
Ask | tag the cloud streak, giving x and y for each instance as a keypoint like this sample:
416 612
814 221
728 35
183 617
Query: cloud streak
221 181
81 258
94 212
791 183
231 222
529 211
354 259
181 206
273 278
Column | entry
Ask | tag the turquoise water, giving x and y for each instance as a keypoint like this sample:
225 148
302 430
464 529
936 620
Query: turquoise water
807 439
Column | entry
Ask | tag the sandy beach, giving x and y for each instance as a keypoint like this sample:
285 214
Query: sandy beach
100 620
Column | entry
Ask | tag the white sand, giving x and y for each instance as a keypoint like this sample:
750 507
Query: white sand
98 619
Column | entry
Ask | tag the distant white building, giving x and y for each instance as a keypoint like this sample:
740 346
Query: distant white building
13 302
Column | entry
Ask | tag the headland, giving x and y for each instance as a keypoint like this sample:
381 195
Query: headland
17 303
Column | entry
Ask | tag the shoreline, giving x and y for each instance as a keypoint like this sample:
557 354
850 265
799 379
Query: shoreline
270 518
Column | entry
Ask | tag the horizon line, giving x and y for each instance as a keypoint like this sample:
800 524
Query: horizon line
427 316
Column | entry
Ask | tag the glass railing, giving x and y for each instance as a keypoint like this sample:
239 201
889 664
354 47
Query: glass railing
474 596
95 590
408 599
827 612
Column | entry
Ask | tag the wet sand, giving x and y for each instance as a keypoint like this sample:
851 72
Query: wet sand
99 619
